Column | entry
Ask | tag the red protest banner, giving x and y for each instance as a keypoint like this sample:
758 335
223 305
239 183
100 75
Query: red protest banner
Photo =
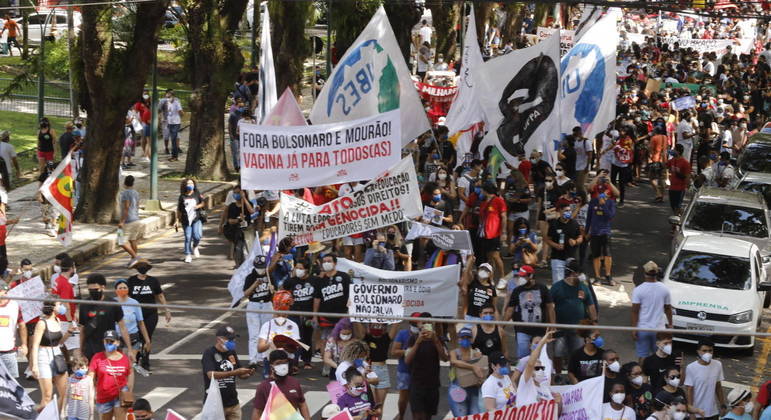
542 410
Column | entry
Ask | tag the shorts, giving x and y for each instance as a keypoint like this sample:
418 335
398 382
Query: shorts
45 358
424 399
349 241
402 381
147 130
645 345
490 245
565 345
600 246
655 171
47 156
384 378
104 408
676 199
10 362
132 230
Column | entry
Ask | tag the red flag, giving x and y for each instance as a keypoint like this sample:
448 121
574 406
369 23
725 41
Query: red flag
173 415
59 190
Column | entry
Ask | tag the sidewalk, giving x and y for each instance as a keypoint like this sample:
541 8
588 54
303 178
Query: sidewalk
28 238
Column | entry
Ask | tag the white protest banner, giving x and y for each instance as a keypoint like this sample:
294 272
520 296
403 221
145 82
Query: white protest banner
542 410
236 283
588 83
582 401
686 102
638 39
448 239
718 46
32 288
520 99
390 198
669 25
277 158
567 37
370 78
433 290
376 299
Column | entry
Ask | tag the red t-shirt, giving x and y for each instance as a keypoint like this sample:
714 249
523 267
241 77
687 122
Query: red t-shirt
490 214
111 376
63 288
288 386
524 167
602 188
679 169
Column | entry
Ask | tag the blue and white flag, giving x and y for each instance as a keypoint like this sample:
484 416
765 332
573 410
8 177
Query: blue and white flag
372 78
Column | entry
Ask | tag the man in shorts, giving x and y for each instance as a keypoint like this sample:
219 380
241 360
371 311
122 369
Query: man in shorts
13 30
657 156
129 219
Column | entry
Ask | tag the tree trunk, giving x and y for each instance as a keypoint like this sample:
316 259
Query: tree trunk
483 11
349 17
114 78
513 25
541 13
446 18
214 61
403 16
24 34
290 46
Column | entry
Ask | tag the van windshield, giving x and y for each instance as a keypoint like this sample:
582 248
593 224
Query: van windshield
712 270
718 217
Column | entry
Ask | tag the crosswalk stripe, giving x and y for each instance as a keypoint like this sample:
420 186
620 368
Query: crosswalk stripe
160 396
391 406
180 356
316 400
244 397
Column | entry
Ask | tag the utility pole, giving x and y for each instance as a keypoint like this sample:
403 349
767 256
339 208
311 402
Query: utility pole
70 47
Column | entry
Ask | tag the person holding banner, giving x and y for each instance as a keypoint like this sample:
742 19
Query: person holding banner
534 383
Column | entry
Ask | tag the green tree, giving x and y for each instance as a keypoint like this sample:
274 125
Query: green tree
512 26
290 45
403 15
214 61
445 15
348 18
483 12
113 74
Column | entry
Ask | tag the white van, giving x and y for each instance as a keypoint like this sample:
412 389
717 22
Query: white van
717 284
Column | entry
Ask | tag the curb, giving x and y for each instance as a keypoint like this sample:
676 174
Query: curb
151 224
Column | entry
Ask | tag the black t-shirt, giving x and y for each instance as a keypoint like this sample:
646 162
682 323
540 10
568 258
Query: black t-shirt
478 297
529 305
584 366
378 346
262 292
144 291
656 368
333 292
569 162
217 361
570 230
424 369
302 290
513 193
234 211
642 400
539 171
95 321
66 140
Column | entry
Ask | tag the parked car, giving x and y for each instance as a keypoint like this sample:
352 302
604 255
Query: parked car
758 182
55 23
717 283
756 156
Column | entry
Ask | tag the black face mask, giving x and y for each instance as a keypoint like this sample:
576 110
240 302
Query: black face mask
143 270
48 310
391 236
95 294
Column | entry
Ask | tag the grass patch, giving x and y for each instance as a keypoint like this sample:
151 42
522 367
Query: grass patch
23 129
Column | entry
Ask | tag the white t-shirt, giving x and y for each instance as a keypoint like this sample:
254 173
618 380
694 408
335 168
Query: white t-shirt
703 379
501 389
465 183
425 34
9 315
684 128
172 112
7 152
271 329
528 392
582 148
652 296
608 413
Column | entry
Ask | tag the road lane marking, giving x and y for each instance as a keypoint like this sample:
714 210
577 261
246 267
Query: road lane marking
208 327
614 298
160 396
391 406
316 401
164 355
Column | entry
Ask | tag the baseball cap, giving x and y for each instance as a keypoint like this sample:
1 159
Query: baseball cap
562 203
465 332
526 270
572 265
650 267
227 332
111 335
664 397
486 266
498 359
737 395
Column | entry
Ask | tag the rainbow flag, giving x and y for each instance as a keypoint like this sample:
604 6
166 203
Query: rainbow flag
278 407
59 190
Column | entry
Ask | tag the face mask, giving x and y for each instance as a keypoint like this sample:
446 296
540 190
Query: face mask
280 320
540 376
237 197
679 415
559 172
674 382
358 362
465 343
189 187
618 397
281 370
230 345
414 329
488 317
145 97
598 342
567 215
483 274
521 281
706 357
121 293
748 407
435 156
260 271
615 367
504 370
27 274
96 294
637 380
582 277
549 184
110 347
48 310
61 309
299 272
442 176
534 160
57 268
357 390
437 197
666 349
713 156
328 266
391 236
522 232
346 337
79 373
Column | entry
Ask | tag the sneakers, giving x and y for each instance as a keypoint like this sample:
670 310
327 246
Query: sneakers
196 253
140 370
610 281
132 262
188 258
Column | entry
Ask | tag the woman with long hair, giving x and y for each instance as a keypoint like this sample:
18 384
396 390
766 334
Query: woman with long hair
189 207
46 361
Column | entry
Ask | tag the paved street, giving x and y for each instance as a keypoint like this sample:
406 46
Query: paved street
177 381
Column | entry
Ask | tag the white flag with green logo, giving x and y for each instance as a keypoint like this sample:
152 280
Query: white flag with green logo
372 78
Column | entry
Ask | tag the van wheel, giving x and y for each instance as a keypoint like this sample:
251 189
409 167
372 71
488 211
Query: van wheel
750 351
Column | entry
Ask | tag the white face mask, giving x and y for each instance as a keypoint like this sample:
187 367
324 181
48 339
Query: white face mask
260 271
521 281
679 415
280 320
706 357
328 266
442 176
618 397
414 329
637 380
57 268
281 370
748 407
615 367
582 277
145 97
673 382
299 272
483 274
541 376
27 274
346 337
559 172
666 349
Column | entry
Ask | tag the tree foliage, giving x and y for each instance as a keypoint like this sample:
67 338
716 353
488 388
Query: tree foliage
290 45
446 18
403 16
348 19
